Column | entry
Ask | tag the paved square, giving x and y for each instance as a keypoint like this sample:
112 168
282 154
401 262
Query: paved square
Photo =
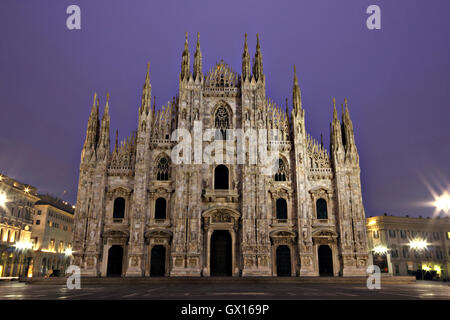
202 291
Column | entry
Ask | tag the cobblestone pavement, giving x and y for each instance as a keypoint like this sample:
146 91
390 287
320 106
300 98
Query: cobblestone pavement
418 290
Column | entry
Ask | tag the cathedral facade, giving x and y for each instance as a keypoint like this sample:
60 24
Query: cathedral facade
140 213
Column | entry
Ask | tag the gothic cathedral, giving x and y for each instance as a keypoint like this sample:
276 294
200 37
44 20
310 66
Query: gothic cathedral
140 214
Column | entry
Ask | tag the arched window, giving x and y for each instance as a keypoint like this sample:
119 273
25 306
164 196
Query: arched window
221 177
281 172
221 123
321 209
281 209
119 208
160 208
162 169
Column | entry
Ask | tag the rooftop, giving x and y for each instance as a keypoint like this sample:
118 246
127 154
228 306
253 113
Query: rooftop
55 202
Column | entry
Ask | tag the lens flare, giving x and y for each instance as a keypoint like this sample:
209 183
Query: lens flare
23 245
442 203
380 250
418 244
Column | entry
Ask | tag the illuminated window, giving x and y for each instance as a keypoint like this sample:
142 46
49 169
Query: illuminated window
376 235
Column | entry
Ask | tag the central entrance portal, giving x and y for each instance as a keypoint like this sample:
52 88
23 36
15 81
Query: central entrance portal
158 261
325 261
115 259
283 261
221 253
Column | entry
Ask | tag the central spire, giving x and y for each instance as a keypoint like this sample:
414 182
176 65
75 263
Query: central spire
296 95
146 92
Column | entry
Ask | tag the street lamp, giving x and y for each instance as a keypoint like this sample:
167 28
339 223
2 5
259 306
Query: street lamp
23 245
418 244
442 202
380 249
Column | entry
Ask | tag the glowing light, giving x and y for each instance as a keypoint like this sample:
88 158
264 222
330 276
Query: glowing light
437 269
27 190
372 222
418 244
426 268
23 245
3 199
73 207
30 272
380 250
442 203
68 252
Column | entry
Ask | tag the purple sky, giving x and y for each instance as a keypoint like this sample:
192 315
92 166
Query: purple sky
397 79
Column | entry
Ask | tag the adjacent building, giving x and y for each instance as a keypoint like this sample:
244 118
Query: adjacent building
16 222
51 236
139 213
35 231
410 246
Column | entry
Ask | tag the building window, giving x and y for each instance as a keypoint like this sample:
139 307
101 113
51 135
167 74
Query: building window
281 205
376 234
160 208
119 208
405 252
61 247
221 177
321 209
439 253
221 123
34 242
394 252
38 222
392 233
162 170
448 235
281 171
436 235
51 246
39 212
403 234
